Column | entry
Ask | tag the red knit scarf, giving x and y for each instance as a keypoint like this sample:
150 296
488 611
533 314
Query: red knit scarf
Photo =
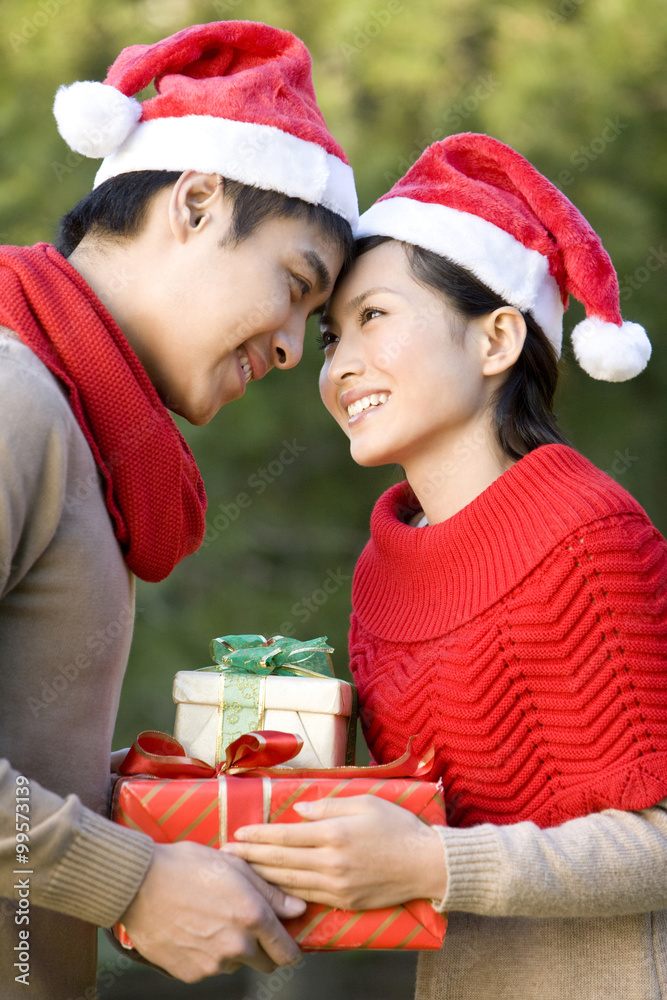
153 489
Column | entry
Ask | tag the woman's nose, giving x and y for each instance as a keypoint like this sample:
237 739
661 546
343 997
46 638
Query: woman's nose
345 362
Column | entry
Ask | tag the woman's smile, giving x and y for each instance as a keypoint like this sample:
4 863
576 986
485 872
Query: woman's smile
360 403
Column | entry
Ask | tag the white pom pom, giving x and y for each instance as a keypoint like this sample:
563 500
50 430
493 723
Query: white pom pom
609 352
93 118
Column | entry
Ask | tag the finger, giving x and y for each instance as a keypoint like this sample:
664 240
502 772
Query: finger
264 943
227 967
293 880
289 834
117 758
301 858
349 805
316 895
284 905
259 961
277 944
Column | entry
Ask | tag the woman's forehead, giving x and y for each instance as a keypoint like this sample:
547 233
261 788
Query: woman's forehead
379 266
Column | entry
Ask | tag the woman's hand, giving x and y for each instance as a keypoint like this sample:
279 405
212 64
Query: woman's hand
358 853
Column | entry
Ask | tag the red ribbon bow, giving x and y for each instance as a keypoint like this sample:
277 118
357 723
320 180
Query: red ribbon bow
159 755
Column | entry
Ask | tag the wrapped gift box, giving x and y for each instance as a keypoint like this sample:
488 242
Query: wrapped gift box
209 811
277 684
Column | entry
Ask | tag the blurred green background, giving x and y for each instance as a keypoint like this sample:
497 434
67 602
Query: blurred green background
577 86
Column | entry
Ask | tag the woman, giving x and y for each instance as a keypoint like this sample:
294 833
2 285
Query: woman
510 608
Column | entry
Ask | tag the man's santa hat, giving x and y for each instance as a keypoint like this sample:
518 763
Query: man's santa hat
474 200
233 98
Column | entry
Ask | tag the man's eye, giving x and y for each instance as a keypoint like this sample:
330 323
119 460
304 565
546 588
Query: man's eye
303 284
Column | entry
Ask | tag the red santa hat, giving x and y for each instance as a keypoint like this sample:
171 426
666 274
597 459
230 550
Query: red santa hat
233 97
474 200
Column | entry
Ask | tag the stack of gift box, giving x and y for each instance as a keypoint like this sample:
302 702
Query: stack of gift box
264 727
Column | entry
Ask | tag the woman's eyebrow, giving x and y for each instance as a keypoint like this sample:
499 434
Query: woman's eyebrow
354 303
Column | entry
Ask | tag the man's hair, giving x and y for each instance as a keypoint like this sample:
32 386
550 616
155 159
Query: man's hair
523 416
117 210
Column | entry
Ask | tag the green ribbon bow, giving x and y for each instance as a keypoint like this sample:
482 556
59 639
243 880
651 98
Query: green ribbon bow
243 661
254 654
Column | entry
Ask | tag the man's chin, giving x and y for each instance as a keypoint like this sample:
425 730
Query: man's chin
198 416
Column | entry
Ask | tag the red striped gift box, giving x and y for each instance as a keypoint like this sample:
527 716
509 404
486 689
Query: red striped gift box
210 810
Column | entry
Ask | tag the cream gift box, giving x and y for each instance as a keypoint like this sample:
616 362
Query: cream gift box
260 683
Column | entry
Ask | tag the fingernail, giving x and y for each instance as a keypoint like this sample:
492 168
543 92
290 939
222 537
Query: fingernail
241 833
303 808
294 905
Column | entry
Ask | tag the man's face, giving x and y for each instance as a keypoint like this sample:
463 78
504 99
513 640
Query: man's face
220 315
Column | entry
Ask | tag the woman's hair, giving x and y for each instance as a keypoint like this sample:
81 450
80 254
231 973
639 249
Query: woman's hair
523 417
117 209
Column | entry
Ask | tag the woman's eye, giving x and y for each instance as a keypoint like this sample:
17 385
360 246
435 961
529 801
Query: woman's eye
325 339
368 313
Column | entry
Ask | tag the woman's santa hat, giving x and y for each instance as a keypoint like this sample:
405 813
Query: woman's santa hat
474 200
233 98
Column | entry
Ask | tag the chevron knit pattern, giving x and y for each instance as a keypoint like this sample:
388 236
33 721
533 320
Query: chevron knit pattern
526 639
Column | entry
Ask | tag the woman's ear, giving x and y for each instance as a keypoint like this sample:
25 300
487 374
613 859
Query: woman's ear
504 333
194 199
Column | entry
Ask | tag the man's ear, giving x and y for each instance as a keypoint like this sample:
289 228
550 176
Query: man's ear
193 202
504 333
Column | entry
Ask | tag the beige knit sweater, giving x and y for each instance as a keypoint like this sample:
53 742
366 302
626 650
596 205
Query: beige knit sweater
66 616
578 911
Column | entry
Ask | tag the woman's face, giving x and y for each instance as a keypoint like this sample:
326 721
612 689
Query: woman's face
402 371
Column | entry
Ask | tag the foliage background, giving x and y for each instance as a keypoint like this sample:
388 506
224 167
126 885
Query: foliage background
574 85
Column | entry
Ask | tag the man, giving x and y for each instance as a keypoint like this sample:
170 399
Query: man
220 218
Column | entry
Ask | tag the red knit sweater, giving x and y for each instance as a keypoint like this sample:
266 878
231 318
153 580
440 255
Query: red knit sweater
525 638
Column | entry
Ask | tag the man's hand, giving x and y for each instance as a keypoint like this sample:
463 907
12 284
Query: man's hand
117 758
200 912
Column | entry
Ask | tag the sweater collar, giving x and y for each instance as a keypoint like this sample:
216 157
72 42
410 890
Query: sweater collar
418 583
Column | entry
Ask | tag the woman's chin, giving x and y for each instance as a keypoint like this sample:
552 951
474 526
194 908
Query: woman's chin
370 458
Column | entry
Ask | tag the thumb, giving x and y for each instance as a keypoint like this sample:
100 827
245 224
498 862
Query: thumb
328 808
283 906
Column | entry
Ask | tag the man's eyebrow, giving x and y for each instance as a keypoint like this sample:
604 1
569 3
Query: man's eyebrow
324 281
